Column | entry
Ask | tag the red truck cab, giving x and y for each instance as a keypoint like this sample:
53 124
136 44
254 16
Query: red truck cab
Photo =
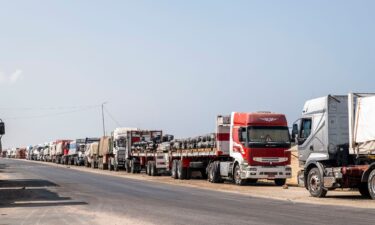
259 146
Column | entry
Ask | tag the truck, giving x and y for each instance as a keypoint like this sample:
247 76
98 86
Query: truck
76 151
100 158
20 153
91 150
46 152
335 137
117 158
29 152
143 152
61 150
2 132
245 147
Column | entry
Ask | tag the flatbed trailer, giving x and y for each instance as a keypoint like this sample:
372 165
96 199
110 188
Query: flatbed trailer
143 152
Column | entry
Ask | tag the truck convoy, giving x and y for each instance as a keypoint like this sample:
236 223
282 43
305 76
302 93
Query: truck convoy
336 142
244 148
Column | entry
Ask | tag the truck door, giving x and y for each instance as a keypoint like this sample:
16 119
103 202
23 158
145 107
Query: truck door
305 146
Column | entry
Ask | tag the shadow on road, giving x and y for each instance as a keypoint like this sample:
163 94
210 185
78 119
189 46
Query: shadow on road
3 166
31 193
26 183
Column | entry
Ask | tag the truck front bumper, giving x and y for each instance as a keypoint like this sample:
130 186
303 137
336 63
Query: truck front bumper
266 172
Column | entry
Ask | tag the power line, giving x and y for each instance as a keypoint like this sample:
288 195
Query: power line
47 108
113 119
51 114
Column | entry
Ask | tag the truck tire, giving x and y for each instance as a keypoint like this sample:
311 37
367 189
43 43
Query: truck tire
174 169
127 165
364 190
188 173
100 164
214 172
132 166
315 184
153 171
252 181
280 182
237 176
110 166
148 167
181 171
371 184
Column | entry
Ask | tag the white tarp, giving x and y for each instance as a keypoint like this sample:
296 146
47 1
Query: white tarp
364 128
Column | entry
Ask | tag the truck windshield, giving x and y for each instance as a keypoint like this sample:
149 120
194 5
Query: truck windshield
268 136
121 142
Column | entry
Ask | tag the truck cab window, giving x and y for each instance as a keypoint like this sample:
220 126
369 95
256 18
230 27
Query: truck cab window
242 134
305 128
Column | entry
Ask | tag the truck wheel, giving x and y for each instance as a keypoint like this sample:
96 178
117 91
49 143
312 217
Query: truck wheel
153 171
188 173
132 166
181 171
148 167
252 181
237 176
371 184
214 172
110 167
315 183
127 166
364 190
174 169
280 182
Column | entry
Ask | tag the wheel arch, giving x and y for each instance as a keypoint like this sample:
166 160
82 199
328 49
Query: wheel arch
366 174
235 163
308 167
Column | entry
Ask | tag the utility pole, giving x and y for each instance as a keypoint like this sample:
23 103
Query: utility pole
2 132
103 117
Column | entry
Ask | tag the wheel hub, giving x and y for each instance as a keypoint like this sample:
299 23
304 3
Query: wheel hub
315 182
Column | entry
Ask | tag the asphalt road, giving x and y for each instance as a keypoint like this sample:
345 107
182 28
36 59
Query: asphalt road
46 194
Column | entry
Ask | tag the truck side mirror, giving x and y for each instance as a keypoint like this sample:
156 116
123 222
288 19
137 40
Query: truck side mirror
2 128
294 132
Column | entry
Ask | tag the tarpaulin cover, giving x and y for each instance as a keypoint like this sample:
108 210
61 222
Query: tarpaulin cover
364 128
93 149
104 146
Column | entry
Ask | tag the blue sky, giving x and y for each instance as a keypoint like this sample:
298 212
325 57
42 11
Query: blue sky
174 65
